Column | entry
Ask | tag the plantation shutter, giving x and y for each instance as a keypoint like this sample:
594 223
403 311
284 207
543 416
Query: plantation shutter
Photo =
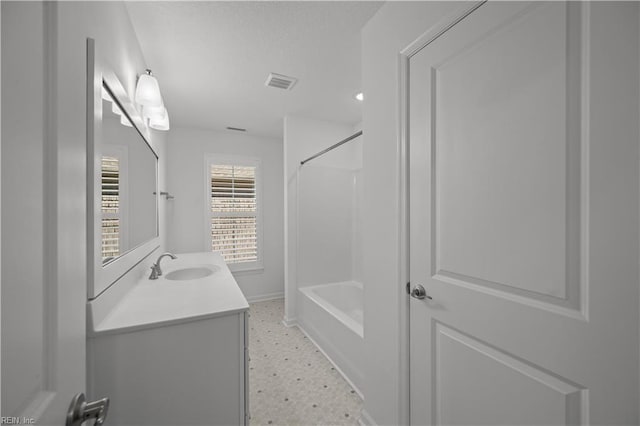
110 207
234 212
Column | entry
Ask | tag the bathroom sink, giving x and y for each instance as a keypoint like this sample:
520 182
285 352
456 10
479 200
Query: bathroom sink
192 273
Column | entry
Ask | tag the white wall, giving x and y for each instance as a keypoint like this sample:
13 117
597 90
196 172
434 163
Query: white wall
326 216
304 137
358 207
357 225
385 35
44 202
160 144
186 149
330 215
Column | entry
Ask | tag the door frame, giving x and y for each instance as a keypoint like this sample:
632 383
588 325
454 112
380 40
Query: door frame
404 57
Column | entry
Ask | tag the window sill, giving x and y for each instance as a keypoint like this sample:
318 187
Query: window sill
246 269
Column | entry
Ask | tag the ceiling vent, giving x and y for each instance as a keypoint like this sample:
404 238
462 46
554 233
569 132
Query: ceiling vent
236 129
280 81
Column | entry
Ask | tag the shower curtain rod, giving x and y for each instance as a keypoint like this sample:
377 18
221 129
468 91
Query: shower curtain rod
324 151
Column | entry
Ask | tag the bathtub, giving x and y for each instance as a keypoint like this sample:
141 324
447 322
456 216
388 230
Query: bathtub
331 315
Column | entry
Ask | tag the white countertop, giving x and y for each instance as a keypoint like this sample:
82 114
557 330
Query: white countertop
153 303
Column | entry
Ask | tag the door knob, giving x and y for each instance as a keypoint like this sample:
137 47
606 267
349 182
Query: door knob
418 292
80 411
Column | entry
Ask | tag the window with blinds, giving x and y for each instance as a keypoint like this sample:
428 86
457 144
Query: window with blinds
234 212
110 207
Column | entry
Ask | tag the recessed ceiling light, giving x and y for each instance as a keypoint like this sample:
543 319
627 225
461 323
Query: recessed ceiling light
359 96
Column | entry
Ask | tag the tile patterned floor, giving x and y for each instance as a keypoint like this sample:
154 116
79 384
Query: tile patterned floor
290 381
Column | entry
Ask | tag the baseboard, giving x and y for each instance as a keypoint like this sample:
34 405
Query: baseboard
265 297
365 419
289 322
344 376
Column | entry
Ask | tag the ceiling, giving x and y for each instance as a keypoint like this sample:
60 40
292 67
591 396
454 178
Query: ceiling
212 59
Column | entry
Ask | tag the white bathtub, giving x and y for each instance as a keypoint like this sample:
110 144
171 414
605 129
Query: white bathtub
331 314
341 300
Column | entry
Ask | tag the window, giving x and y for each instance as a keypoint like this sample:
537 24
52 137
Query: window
110 190
114 206
233 216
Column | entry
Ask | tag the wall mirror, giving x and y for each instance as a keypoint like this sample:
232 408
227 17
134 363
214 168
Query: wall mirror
128 182
122 181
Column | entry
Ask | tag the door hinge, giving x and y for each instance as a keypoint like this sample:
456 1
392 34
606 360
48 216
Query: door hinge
408 288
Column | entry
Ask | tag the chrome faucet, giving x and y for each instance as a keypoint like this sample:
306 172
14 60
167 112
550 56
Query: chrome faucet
155 269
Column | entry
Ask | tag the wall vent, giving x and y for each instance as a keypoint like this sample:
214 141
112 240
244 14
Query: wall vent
236 129
280 81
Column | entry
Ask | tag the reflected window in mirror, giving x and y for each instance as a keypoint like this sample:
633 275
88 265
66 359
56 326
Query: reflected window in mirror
110 208
114 186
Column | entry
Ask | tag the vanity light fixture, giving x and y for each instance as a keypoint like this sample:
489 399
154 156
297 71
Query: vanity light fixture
155 113
124 120
148 91
105 95
149 100
160 123
116 109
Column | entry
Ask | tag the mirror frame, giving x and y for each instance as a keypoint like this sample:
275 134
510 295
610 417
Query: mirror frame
102 276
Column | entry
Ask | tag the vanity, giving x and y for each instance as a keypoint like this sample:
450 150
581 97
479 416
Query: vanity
169 346
174 351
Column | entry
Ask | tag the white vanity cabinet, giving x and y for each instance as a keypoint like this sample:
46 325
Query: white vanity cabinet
190 373
181 359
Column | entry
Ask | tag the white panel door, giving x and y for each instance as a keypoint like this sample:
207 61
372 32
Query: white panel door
523 216
44 289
